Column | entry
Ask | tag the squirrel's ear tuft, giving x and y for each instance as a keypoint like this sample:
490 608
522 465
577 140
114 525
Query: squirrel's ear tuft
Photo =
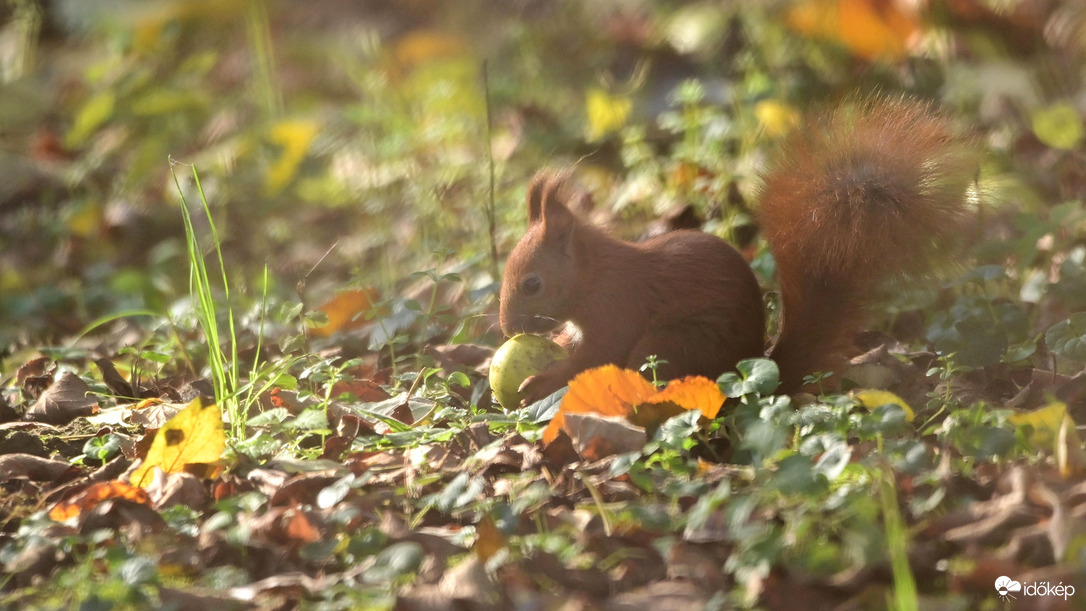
553 190
558 221
535 195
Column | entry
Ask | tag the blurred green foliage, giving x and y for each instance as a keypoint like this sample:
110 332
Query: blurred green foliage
345 145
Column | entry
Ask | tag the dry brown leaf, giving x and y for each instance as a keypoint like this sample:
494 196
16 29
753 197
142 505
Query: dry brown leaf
597 437
364 390
460 356
34 468
113 378
662 595
177 489
302 489
153 415
64 401
35 375
470 585
489 539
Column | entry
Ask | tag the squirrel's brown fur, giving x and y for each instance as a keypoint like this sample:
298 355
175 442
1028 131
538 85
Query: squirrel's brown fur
869 193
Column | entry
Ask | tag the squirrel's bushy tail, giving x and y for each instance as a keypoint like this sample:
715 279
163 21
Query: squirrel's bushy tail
872 192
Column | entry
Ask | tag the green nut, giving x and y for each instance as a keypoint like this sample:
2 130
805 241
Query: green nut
521 356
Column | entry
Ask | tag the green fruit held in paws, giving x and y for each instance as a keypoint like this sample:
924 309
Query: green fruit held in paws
521 356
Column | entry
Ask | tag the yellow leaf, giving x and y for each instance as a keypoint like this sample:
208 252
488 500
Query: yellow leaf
776 117
1070 454
294 137
11 281
145 403
1052 428
169 102
872 399
606 113
1059 126
85 219
1045 423
194 435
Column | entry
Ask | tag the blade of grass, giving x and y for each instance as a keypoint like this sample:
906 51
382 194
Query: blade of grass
108 318
260 45
224 369
233 396
905 597
253 372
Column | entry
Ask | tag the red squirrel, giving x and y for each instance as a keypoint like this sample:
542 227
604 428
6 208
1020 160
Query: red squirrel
868 193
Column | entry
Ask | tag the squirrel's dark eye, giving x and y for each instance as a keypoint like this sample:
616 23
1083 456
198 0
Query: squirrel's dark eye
531 285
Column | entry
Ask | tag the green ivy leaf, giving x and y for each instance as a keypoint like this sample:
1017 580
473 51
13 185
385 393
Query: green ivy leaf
755 376
979 331
395 561
675 431
461 491
1067 338
764 439
796 475
832 462
545 409
309 420
331 495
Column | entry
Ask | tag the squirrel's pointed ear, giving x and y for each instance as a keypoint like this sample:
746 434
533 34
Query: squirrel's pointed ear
535 196
558 221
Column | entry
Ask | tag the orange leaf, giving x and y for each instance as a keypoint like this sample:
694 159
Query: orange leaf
692 392
300 528
286 399
422 46
145 403
869 28
607 391
91 497
346 311
613 391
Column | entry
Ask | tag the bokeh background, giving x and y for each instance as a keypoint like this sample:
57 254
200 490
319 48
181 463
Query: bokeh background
350 145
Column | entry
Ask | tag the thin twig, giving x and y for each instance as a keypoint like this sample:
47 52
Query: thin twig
490 212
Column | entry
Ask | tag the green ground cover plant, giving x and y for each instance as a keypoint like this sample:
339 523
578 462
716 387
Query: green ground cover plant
297 216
